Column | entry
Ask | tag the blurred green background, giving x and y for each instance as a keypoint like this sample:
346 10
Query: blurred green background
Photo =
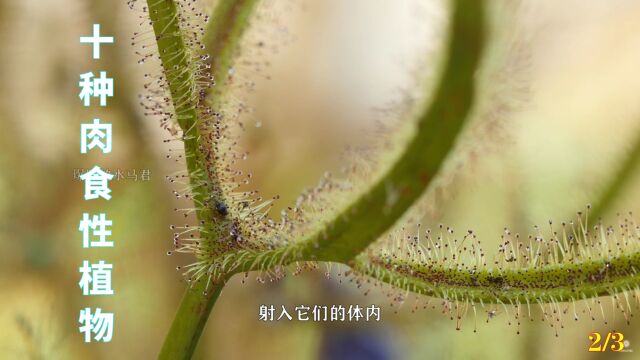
557 115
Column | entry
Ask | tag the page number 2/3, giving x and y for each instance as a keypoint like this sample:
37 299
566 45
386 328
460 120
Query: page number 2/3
613 341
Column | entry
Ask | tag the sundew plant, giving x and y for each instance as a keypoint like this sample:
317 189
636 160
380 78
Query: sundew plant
363 217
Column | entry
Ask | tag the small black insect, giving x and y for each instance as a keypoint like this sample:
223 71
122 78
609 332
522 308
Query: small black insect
222 208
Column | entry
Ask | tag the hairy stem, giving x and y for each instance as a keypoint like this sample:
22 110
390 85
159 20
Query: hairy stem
378 209
175 57
366 219
560 282
230 20
223 38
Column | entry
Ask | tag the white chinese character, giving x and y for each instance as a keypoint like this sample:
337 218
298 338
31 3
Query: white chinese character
96 40
99 134
266 312
86 86
320 313
99 275
337 313
284 313
98 225
101 324
373 312
95 87
355 312
96 184
303 312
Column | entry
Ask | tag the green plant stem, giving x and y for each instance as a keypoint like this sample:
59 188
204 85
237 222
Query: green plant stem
190 320
229 21
560 282
222 40
371 215
175 58
438 127
222 37
366 219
